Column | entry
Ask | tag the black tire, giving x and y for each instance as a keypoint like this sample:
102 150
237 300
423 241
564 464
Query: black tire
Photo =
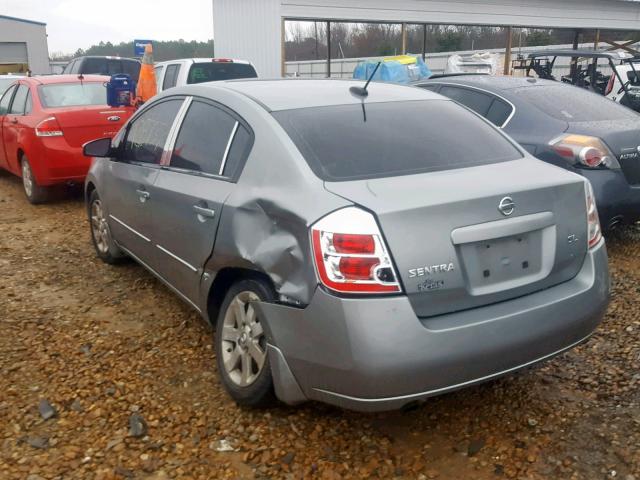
35 193
106 249
259 393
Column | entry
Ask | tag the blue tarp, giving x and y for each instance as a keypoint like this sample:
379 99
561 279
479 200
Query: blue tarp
393 71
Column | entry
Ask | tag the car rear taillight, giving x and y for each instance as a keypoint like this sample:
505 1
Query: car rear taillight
593 221
49 127
585 151
612 81
350 254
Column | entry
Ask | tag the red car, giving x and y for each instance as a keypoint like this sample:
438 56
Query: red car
45 121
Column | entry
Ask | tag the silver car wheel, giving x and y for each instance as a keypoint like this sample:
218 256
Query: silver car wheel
99 227
244 344
27 179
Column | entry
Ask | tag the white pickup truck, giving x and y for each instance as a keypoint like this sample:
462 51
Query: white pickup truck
186 71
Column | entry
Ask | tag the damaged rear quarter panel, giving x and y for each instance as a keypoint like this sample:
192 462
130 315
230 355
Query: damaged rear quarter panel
265 221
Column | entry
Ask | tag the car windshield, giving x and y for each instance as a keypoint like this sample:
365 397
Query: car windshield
110 66
73 94
573 104
394 138
5 83
213 71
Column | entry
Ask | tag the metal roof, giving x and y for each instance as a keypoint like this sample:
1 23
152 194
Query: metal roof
585 53
23 20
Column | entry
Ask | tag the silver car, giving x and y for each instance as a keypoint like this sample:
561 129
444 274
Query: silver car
365 249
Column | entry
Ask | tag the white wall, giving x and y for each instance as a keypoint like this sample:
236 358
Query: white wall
34 35
249 30
252 29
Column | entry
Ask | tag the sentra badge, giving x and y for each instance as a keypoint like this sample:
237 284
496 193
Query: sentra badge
432 270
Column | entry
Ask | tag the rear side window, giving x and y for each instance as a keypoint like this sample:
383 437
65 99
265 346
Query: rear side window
171 76
19 100
213 71
73 94
573 104
476 101
148 134
5 100
499 112
204 139
239 151
397 138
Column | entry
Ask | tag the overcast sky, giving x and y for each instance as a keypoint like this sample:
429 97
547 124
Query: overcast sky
73 24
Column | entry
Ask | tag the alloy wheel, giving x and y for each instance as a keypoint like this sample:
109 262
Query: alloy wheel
27 178
244 344
99 227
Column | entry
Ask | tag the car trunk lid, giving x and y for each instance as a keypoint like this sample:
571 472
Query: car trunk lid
83 124
456 243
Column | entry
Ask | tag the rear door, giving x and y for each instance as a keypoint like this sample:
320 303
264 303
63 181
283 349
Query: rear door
127 190
189 193
5 102
16 126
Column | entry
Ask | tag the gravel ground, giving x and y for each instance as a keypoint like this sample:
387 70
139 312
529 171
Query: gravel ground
125 374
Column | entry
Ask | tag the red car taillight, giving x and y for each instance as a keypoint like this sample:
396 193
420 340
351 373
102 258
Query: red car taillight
350 254
586 151
49 127
593 220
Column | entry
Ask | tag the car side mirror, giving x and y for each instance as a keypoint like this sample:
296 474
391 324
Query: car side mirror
98 148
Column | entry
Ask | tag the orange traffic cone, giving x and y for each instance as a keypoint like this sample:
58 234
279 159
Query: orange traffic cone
147 87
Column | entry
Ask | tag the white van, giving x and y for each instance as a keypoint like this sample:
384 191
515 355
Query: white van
186 71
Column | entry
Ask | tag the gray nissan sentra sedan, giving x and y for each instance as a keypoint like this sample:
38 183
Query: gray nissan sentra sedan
367 251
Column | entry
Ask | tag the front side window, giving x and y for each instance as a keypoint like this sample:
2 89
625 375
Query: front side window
148 133
73 94
203 140
6 100
19 100
171 76
394 138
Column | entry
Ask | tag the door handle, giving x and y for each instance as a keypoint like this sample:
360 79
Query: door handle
205 212
143 194
14 120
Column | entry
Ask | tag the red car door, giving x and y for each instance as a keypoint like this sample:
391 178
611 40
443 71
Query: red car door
5 102
16 128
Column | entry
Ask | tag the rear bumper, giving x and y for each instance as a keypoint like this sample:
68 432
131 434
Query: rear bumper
55 161
375 354
618 202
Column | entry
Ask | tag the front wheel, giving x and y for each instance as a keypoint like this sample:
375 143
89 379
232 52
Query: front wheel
241 345
105 247
34 192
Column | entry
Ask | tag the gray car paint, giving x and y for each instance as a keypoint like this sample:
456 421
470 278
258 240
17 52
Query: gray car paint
263 226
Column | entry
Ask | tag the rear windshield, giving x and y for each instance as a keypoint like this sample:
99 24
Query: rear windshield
73 94
573 104
214 71
110 66
395 138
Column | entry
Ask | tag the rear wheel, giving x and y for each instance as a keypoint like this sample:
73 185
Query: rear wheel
34 192
104 245
241 345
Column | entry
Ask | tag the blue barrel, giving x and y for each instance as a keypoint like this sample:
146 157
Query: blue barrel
121 90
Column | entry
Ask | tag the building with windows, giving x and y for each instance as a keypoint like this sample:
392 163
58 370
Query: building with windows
255 29
23 46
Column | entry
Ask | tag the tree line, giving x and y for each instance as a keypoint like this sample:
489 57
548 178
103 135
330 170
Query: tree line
162 50
308 40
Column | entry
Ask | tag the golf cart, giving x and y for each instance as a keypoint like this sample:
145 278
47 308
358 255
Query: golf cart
586 73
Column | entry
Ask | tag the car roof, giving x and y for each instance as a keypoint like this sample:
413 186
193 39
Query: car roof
53 79
202 60
106 57
289 94
492 83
